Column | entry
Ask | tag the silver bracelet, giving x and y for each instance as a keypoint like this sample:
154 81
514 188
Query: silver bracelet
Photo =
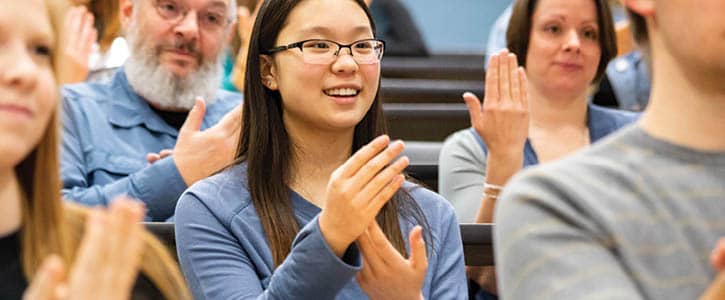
493 187
487 195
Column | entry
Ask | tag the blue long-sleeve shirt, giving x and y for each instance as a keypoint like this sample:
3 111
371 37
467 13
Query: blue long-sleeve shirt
107 131
225 255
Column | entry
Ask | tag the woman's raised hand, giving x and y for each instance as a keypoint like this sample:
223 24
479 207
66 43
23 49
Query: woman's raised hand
79 36
358 189
503 121
386 274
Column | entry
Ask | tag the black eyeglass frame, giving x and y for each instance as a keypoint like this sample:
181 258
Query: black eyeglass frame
339 46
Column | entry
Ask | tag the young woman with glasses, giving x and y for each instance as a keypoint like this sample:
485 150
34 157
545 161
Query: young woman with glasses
316 205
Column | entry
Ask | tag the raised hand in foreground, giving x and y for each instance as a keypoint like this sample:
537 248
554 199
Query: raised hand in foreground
107 262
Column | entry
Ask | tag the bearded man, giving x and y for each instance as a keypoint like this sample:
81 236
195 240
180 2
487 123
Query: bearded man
161 123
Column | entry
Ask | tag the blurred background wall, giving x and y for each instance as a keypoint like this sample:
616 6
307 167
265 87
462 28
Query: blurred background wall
455 26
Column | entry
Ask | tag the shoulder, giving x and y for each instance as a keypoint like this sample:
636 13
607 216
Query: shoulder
464 143
224 194
618 118
86 93
227 99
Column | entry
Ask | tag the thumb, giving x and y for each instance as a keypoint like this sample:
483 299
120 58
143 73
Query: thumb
418 258
195 117
474 108
717 257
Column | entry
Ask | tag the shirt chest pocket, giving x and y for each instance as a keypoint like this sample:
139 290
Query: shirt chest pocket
104 167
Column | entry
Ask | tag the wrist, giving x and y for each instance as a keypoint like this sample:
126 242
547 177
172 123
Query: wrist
502 155
333 240
500 167
183 171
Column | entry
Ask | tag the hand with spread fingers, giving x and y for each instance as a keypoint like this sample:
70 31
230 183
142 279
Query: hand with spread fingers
198 154
386 274
503 124
503 121
107 262
79 36
358 189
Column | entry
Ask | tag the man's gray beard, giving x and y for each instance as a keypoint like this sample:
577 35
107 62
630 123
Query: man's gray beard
160 86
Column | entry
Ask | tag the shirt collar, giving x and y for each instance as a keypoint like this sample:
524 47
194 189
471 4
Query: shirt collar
129 109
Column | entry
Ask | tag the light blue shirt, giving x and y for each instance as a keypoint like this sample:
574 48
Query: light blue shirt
628 74
107 131
224 252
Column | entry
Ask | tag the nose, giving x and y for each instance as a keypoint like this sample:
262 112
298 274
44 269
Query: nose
573 42
18 68
344 62
188 26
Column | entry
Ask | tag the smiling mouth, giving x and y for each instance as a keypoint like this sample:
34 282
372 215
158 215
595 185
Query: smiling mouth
342 92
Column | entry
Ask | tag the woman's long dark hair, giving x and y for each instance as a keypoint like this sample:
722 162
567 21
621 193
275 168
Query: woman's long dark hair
266 148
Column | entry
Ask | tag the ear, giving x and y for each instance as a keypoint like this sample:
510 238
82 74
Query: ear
268 72
125 11
645 8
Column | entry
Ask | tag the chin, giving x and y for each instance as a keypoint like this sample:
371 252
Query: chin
346 122
179 70
14 153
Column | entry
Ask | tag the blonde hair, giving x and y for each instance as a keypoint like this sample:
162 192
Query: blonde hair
51 227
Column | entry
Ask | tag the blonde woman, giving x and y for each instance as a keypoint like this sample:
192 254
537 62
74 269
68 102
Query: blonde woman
59 251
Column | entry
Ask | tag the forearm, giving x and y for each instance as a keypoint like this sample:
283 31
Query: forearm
158 186
311 254
499 169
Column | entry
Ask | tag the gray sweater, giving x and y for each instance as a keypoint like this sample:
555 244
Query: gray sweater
633 217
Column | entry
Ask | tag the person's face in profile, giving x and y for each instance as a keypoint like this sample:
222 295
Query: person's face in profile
564 49
693 33
327 94
27 83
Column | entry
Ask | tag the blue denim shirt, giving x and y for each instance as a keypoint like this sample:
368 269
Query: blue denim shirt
107 131
601 122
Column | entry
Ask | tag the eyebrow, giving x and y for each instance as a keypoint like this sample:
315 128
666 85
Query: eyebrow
563 17
217 4
327 31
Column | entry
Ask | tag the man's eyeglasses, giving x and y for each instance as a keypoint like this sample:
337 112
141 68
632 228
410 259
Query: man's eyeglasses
210 20
318 51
